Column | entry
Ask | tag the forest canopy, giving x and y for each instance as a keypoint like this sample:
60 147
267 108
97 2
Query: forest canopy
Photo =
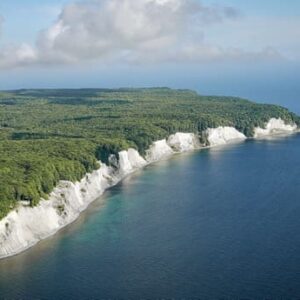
52 135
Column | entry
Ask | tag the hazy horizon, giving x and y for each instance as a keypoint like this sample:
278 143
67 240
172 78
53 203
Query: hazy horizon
269 86
217 47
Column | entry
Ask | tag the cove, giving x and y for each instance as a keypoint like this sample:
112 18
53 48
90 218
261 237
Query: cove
217 223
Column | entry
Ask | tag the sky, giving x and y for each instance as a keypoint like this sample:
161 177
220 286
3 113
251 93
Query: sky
224 47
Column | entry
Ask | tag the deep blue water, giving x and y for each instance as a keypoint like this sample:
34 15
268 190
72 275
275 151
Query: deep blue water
216 224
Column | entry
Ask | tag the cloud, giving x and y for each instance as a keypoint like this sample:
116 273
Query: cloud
117 28
127 31
15 56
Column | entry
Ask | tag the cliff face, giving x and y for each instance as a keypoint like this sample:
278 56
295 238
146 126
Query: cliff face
273 127
158 150
129 161
26 226
183 142
223 136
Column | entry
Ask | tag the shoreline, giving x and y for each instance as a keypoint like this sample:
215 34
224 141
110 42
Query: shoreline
28 226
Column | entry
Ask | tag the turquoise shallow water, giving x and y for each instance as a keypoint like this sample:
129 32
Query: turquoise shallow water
216 224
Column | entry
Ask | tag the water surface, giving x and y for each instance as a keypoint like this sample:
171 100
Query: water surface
219 223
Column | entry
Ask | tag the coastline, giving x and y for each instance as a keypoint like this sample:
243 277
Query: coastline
25 226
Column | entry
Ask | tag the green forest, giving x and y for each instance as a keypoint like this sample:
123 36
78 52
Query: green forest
52 135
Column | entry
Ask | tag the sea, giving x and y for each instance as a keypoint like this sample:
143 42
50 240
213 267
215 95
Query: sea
220 223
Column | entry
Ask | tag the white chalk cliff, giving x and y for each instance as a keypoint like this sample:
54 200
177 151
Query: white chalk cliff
129 161
223 135
273 127
183 142
26 226
159 150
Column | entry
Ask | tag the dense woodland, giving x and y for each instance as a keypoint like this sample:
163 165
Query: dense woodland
52 135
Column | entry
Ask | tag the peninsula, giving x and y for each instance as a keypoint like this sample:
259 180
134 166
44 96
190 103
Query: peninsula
61 149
